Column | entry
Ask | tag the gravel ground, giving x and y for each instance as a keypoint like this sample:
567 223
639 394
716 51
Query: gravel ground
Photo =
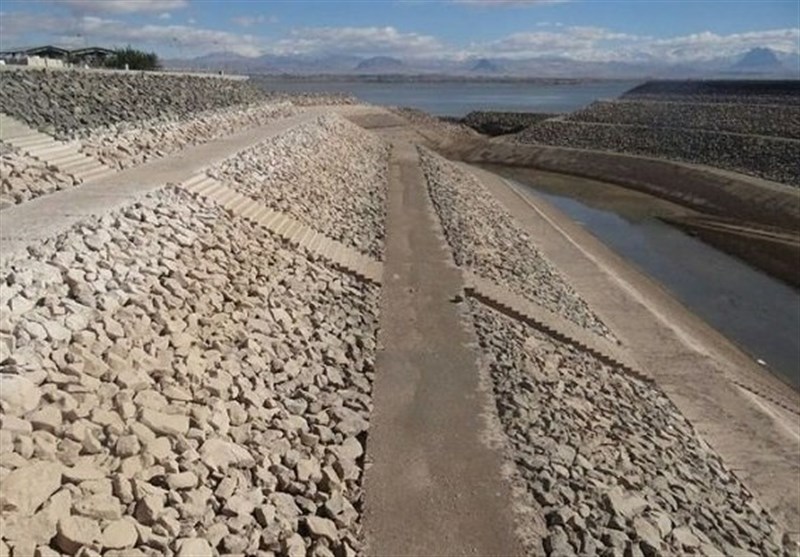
329 174
758 119
128 144
611 463
23 178
770 158
486 240
175 382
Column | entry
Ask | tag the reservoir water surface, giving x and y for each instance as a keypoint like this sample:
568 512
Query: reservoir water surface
459 98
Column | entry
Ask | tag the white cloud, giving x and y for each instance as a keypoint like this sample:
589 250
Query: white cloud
708 45
601 44
579 43
124 6
362 41
250 20
583 43
165 15
184 40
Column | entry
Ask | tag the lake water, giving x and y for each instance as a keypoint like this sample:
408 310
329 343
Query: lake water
759 314
457 99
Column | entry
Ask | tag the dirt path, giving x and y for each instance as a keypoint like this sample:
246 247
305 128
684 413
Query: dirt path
691 362
434 487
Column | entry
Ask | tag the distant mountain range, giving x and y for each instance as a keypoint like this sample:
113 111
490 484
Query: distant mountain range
757 62
380 64
485 66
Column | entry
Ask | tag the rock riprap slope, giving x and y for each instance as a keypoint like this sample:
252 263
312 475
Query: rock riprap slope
765 157
127 144
768 91
174 381
329 174
485 239
749 127
757 119
68 103
607 459
23 177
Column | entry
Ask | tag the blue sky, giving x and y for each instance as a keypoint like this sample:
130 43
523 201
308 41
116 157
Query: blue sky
666 30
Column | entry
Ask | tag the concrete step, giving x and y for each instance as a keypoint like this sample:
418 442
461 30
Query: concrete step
96 173
275 221
205 185
291 229
80 165
54 150
13 133
300 236
269 218
253 211
238 204
66 158
224 196
315 242
280 230
32 137
33 146
211 189
192 183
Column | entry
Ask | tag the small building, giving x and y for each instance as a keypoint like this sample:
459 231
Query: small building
90 56
54 56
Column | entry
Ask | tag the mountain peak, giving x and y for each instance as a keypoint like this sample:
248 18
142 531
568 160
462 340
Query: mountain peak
379 64
486 66
758 59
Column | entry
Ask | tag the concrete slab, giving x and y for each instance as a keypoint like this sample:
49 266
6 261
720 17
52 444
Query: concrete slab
434 487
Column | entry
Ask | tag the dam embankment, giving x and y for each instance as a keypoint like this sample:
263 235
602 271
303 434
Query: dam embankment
222 349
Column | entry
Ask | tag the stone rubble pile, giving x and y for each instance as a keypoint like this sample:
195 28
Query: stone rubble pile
127 144
23 177
756 119
485 239
610 463
65 103
173 381
329 174
769 158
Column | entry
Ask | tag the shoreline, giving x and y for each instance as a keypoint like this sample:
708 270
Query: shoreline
756 207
